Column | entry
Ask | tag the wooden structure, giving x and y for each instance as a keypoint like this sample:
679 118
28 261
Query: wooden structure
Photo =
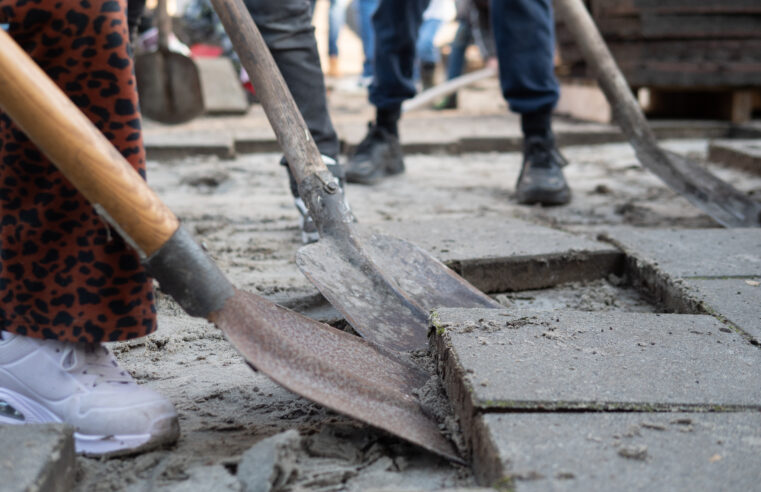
698 58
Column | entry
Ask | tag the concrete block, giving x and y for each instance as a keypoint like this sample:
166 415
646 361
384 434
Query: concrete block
167 145
36 458
694 252
221 87
270 463
496 360
213 478
739 154
620 451
498 254
736 300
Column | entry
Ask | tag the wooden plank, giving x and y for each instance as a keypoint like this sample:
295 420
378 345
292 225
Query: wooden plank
611 8
680 26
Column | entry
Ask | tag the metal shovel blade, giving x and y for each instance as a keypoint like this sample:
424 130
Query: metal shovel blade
385 286
169 86
333 368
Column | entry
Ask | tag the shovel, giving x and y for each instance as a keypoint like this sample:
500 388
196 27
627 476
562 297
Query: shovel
721 201
168 83
328 366
384 286
449 87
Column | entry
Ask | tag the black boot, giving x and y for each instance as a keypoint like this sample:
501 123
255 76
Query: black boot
379 154
541 179
427 72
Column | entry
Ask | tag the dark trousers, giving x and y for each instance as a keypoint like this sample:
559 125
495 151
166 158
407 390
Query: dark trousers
286 26
525 39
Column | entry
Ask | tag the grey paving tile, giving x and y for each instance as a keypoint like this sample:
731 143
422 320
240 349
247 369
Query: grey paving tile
740 154
500 359
620 451
694 252
737 300
498 254
175 145
36 458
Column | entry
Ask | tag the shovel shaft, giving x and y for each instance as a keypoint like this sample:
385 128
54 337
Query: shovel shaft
80 151
283 114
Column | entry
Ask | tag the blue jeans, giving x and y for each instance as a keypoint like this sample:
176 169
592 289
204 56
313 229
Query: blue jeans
425 49
336 20
366 9
525 38
462 39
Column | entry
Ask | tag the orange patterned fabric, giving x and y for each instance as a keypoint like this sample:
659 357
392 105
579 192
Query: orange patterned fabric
64 273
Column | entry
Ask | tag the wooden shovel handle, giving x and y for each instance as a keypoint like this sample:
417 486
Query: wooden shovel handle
87 159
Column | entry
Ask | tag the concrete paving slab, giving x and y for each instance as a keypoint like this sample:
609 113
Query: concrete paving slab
498 254
740 154
694 252
735 300
176 145
620 451
222 91
562 360
36 458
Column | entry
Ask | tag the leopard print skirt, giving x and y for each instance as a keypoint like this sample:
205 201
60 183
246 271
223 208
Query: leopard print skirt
64 274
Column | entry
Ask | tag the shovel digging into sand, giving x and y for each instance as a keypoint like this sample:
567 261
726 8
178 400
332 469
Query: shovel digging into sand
721 201
328 366
384 286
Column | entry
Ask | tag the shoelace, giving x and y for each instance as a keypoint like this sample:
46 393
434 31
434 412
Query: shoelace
92 364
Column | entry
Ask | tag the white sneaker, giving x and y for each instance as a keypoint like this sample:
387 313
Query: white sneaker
83 386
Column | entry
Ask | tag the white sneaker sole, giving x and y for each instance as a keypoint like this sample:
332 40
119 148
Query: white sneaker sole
31 412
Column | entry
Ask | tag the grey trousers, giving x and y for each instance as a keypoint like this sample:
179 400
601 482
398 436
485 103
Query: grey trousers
286 26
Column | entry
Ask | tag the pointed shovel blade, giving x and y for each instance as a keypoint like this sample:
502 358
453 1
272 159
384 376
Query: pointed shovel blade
332 368
385 286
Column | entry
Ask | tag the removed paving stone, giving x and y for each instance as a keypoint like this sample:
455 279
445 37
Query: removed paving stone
739 154
36 458
498 360
499 254
165 145
619 451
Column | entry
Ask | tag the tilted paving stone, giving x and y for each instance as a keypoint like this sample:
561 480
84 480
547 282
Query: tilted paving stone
36 458
498 254
619 451
498 360
739 154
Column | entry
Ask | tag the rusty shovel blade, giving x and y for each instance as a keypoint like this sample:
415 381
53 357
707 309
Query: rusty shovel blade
169 85
333 368
385 286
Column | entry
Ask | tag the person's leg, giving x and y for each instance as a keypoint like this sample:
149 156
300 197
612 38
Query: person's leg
286 27
525 39
66 276
396 24
456 61
336 19
426 51
366 9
